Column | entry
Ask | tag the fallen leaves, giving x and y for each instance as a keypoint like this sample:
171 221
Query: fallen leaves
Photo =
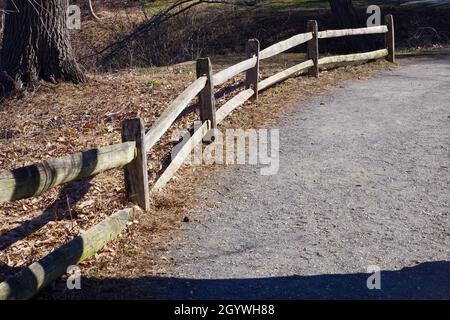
59 120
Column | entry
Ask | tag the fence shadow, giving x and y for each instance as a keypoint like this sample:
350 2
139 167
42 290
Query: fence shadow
218 95
430 280
62 208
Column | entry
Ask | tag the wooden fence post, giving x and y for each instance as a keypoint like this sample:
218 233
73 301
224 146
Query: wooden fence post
252 49
313 47
206 97
136 175
390 37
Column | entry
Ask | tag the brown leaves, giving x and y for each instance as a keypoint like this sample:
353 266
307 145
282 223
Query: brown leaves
59 120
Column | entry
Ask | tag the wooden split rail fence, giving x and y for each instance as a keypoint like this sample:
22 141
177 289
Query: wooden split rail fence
131 154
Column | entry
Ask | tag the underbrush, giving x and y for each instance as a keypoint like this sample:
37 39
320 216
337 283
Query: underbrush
222 29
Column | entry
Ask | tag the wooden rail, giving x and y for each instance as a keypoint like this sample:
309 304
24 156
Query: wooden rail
352 32
233 103
226 74
34 180
173 111
131 154
283 75
207 96
30 280
181 156
285 45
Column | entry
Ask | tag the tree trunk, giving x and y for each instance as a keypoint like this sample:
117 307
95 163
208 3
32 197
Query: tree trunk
36 46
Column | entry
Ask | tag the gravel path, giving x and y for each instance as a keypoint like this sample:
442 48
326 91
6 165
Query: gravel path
363 180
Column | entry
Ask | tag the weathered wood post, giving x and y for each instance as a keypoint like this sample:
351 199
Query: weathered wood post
252 49
136 175
390 37
206 97
313 47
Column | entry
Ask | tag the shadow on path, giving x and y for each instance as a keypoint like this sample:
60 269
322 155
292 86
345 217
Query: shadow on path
430 280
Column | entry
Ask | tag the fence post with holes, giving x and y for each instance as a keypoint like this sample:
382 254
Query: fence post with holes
313 47
390 37
252 49
206 97
136 175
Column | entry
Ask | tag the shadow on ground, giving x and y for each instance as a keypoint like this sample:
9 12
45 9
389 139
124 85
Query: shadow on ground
62 208
430 280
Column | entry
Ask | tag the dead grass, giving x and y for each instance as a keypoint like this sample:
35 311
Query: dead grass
57 120
141 250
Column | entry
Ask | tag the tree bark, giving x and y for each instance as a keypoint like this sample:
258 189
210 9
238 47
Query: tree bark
36 46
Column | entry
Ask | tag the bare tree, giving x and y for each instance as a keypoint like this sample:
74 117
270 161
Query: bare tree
171 11
36 46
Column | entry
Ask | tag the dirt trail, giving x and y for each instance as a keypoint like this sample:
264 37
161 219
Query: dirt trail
363 180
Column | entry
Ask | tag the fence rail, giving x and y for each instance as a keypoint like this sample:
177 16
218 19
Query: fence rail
233 103
26 283
229 73
285 45
181 156
131 154
283 75
34 180
173 111
355 57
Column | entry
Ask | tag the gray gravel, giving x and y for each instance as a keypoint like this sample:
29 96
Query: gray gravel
364 180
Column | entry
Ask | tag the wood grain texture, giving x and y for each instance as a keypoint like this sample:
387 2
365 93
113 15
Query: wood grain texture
166 119
313 48
181 156
283 75
285 45
351 32
354 57
34 180
390 38
136 172
30 280
252 50
223 76
206 97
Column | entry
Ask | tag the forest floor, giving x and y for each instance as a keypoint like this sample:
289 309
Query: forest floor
56 120
361 182
220 29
